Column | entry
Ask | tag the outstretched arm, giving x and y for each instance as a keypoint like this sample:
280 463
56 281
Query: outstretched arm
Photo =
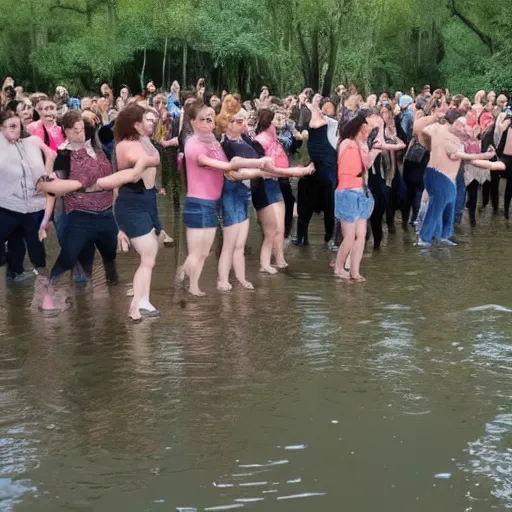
131 175
460 155
58 187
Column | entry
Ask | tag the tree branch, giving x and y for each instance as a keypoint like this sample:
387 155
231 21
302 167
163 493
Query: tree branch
58 5
487 40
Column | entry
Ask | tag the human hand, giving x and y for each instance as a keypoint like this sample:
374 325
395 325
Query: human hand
123 242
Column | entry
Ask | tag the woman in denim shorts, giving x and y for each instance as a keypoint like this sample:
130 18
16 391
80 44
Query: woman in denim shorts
267 197
206 165
353 200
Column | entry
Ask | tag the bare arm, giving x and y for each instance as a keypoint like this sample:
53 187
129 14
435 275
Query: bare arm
460 155
317 120
58 187
49 155
131 175
247 174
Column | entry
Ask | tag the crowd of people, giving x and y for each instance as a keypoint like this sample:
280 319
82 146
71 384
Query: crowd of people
94 167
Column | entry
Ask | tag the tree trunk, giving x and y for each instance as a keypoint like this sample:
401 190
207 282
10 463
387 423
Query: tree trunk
331 63
164 60
315 60
304 57
143 71
184 66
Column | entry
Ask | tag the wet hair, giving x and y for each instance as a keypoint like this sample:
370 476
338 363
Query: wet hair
264 120
12 105
351 128
230 106
323 101
10 93
431 106
194 109
7 114
457 100
309 93
70 118
452 115
185 94
124 127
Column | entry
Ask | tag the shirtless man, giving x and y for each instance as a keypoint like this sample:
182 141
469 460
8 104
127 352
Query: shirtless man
440 175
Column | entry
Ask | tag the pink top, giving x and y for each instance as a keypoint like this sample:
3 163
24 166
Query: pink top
203 182
55 135
270 143
350 165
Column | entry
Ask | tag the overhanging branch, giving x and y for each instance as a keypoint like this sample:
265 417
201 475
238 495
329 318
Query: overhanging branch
487 40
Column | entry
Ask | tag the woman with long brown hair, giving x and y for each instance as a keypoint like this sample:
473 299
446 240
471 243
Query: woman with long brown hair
135 208
267 197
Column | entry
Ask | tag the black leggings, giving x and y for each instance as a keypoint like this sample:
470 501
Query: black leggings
311 191
289 202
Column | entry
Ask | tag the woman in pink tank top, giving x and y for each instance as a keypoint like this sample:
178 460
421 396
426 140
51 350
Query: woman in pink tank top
206 165
267 197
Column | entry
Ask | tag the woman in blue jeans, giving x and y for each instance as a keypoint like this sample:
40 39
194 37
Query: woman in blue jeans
89 216
236 197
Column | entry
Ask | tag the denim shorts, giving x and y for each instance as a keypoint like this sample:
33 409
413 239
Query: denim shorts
265 192
136 212
353 204
235 202
200 213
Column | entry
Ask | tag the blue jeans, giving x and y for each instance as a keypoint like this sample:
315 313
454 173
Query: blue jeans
461 195
200 213
440 215
86 256
23 228
82 229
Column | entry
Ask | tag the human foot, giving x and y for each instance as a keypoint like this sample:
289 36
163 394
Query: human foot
180 274
342 274
358 278
281 264
224 287
246 284
268 270
48 307
196 292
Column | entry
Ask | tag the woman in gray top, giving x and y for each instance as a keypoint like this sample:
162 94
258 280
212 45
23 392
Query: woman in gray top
21 166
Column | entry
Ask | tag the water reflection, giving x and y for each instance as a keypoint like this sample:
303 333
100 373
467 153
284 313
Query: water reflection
278 399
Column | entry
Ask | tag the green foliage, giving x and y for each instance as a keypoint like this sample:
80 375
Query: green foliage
242 44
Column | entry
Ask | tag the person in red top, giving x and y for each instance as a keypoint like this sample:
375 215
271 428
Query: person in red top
88 209
353 200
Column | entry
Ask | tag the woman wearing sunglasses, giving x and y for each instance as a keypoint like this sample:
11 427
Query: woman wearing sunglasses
206 165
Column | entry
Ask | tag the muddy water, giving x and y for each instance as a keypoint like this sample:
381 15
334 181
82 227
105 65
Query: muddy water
307 394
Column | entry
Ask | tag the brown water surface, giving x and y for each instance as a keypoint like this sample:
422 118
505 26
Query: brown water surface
307 394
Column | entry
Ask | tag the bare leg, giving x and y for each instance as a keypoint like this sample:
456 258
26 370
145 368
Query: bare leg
147 247
199 242
279 209
268 224
239 255
230 234
358 248
349 234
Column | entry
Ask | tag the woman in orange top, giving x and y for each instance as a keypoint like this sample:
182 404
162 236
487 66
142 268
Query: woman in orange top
353 200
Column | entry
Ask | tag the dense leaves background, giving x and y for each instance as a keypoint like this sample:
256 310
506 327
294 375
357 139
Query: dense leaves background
464 45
